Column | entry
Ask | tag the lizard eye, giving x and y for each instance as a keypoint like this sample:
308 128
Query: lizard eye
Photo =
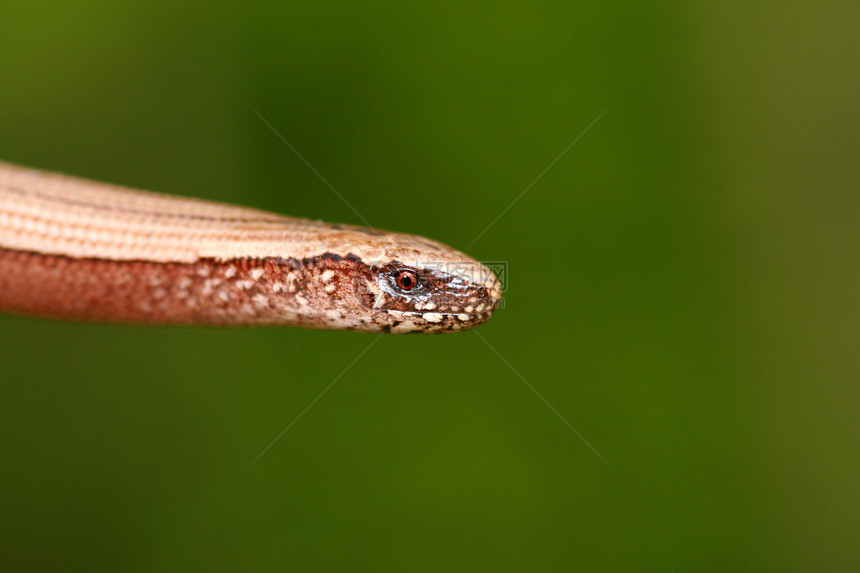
406 280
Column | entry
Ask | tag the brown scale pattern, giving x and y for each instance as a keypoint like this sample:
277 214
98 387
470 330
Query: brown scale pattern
320 292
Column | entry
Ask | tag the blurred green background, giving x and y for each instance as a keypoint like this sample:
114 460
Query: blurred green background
683 288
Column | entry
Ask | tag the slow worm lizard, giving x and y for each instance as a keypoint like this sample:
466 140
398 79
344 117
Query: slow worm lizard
77 249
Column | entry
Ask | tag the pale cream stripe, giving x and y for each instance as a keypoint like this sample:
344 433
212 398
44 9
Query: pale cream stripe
67 187
61 215
42 212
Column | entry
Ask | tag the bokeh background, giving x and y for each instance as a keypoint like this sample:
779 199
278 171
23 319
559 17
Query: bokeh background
683 289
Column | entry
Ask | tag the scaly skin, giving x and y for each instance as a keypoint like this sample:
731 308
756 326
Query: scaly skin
77 249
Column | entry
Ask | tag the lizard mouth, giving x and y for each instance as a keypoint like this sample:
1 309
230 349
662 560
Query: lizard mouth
411 321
